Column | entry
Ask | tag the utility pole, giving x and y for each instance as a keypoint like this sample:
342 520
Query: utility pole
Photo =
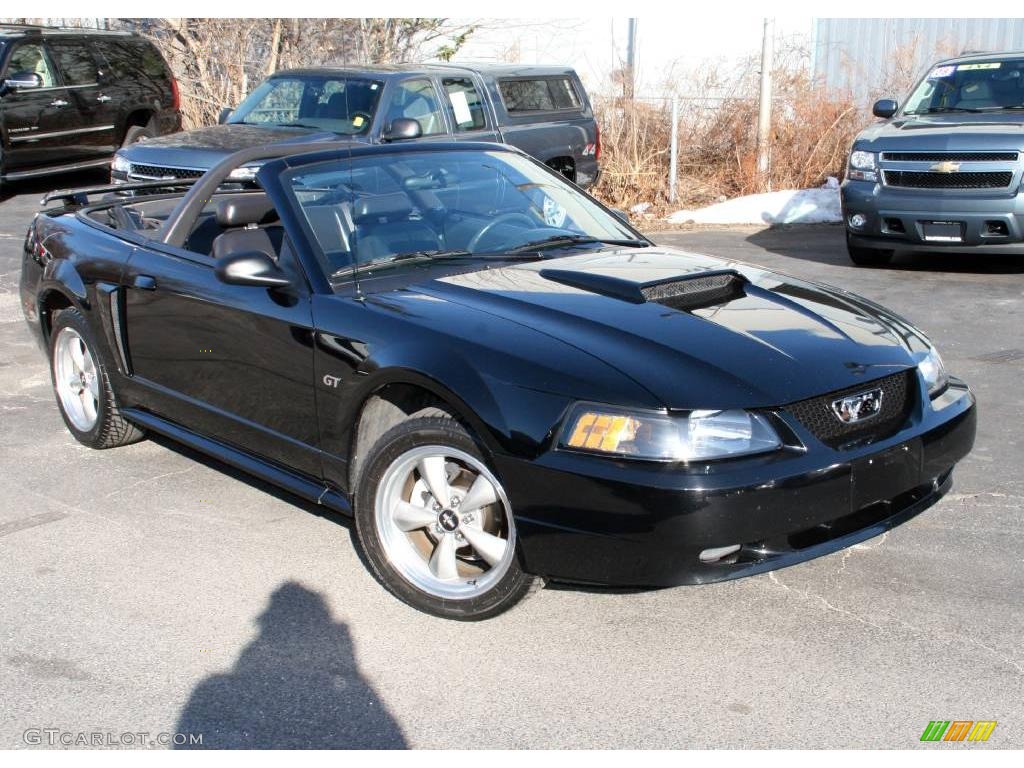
630 58
764 115
673 157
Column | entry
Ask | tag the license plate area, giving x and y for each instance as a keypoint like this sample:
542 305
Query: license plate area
943 231
885 475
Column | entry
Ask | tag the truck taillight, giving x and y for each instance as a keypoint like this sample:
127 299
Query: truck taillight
597 141
175 95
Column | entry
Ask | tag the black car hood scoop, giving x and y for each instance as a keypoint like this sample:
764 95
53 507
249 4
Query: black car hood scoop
687 293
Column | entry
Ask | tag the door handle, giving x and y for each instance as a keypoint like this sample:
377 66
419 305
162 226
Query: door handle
58 103
102 98
144 283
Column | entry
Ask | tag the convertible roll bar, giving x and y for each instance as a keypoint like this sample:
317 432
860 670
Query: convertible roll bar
179 224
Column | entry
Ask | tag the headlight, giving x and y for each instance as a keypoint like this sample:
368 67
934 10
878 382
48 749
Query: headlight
932 369
863 166
120 164
245 173
699 436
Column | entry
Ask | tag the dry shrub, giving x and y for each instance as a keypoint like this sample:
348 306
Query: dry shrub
811 134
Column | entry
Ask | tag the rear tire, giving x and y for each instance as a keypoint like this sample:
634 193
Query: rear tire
456 558
868 257
136 132
82 385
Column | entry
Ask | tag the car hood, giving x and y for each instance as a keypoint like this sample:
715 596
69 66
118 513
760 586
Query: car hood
954 131
776 341
205 147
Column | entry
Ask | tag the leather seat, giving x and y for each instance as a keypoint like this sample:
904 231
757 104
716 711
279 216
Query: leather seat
384 228
251 224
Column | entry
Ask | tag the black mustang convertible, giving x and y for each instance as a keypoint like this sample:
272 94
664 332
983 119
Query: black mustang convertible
496 375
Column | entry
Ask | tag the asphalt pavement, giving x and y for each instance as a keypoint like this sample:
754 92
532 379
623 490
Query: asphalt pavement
146 590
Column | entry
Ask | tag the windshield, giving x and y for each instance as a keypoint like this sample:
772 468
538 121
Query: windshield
457 203
340 104
976 86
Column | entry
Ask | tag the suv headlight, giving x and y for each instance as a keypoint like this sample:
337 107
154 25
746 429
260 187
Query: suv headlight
934 372
698 436
863 166
120 164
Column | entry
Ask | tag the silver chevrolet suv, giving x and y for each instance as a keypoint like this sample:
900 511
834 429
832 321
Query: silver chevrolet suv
943 171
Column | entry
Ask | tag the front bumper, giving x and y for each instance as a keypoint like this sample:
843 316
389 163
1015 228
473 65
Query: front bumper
991 221
589 520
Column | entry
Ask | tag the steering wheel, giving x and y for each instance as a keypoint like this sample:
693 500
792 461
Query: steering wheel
505 218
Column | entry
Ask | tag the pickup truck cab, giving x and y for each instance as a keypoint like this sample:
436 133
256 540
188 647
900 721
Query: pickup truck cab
944 170
543 111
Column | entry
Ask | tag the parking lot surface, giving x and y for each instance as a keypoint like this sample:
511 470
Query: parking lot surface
148 590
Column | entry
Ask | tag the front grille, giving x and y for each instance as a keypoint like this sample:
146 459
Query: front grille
696 292
967 180
163 172
818 418
959 157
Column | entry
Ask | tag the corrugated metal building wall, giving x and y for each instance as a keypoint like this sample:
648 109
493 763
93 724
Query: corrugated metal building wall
864 56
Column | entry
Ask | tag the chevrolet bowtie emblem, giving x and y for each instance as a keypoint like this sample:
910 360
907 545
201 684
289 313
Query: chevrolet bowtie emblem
946 166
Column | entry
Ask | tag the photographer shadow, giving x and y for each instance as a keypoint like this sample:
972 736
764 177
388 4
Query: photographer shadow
296 686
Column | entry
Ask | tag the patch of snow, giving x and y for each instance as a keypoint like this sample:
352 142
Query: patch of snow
787 206
640 208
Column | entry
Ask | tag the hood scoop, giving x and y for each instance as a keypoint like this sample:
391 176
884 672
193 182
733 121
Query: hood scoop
688 293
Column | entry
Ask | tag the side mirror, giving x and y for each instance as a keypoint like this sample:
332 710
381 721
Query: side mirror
251 268
620 214
19 81
402 128
885 108
224 115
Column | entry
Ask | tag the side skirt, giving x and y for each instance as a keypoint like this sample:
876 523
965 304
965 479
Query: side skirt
300 485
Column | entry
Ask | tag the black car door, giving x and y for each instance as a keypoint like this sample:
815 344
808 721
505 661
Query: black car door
90 114
34 119
230 362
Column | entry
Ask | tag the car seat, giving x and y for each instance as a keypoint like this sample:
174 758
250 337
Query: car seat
385 226
250 223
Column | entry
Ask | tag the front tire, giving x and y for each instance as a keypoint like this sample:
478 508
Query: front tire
868 257
435 524
82 386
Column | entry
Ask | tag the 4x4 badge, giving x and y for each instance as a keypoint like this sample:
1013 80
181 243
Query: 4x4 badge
859 407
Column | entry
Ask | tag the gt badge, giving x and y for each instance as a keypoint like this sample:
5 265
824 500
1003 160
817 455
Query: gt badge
332 381
859 407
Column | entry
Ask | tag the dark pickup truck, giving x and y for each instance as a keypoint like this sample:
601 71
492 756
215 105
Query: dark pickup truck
543 111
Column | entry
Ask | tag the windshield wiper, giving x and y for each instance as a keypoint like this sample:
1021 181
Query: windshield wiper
935 110
556 241
300 125
387 262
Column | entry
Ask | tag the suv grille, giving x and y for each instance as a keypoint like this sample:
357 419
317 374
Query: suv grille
967 180
163 172
960 157
897 401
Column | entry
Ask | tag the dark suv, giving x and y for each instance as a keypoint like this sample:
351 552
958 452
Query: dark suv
543 111
70 97
944 170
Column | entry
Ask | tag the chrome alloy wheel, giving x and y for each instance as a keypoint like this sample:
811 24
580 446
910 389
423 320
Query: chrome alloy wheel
444 522
76 379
